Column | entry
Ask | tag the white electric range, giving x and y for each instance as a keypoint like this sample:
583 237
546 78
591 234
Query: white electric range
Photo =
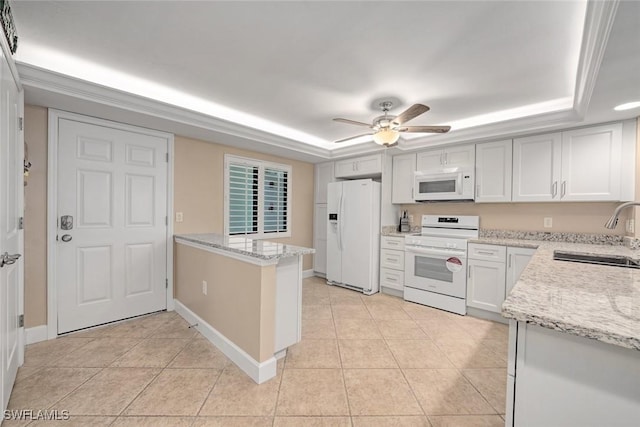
435 262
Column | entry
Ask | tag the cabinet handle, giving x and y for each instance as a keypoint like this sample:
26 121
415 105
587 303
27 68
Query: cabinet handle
469 272
412 195
391 259
554 189
392 243
446 158
510 255
563 189
486 252
478 190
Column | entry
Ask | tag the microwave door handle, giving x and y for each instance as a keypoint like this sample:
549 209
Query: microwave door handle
459 183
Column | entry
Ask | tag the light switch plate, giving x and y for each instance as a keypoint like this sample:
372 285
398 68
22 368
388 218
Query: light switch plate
179 217
548 222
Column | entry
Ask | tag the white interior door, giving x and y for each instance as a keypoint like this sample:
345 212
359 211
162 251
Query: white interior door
11 199
111 258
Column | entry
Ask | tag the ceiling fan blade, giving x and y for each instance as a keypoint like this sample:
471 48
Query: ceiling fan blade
352 137
426 129
414 111
352 122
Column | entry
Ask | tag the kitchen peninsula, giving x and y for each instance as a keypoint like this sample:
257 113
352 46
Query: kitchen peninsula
574 339
245 295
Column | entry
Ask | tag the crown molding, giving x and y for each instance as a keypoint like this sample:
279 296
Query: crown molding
599 19
36 77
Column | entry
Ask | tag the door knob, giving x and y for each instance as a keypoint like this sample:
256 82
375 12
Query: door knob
66 238
6 259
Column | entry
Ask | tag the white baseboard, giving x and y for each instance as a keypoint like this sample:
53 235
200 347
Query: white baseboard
259 372
36 334
307 273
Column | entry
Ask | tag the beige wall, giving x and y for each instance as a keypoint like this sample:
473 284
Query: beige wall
35 218
199 191
567 217
240 300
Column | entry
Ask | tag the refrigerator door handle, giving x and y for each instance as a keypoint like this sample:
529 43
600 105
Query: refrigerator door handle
339 224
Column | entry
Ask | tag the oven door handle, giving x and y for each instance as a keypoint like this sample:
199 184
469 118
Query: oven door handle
427 251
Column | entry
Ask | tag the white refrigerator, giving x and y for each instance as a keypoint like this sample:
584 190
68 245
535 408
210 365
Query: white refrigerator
353 235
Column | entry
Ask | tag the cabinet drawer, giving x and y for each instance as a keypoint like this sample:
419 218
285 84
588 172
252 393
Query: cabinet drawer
392 242
487 252
392 259
392 278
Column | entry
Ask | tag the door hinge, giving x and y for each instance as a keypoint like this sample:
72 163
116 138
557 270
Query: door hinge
166 283
21 223
20 123
167 157
21 321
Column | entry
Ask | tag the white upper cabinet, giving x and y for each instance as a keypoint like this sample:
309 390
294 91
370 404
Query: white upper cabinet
493 171
458 156
324 175
577 165
404 167
366 166
591 160
536 168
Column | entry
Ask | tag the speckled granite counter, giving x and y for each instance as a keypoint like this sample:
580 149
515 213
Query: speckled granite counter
593 301
244 246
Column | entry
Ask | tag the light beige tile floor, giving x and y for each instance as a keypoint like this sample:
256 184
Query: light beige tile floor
363 361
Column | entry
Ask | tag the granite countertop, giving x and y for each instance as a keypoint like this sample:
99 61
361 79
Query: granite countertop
593 301
245 246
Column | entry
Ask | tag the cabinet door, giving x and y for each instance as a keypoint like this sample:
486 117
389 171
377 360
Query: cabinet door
431 160
463 156
345 168
493 171
324 175
402 179
369 165
486 285
320 239
591 163
536 168
517 260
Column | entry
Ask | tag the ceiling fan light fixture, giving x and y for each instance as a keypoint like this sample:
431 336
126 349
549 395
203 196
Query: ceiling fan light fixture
386 137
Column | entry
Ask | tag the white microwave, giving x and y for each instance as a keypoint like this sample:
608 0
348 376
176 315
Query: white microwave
446 184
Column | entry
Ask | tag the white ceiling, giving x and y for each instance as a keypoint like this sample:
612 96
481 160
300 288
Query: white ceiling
282 70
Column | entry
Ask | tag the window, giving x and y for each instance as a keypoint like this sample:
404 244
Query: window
257 198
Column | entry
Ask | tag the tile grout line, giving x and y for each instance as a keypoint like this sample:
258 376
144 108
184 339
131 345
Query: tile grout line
344 379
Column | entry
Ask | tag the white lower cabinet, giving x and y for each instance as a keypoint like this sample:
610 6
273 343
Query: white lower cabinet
486 278
392 263
560 379
493 270
517 260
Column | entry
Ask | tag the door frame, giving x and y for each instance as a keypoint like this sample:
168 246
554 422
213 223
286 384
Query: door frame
52 205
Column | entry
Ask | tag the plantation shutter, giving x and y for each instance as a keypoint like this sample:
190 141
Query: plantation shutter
243 199
275 200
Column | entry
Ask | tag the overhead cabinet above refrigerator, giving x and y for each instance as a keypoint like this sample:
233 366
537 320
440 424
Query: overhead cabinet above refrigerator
353 234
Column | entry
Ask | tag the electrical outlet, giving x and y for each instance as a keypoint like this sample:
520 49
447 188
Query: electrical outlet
179 217
410 219
548 222
204 287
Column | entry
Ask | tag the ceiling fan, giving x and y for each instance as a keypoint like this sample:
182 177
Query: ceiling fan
386 128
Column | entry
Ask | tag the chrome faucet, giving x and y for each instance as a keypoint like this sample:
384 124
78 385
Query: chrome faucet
613 221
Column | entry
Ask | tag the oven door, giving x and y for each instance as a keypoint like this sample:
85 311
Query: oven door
436 270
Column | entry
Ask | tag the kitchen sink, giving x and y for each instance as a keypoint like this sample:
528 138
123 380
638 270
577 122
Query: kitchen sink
613 260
